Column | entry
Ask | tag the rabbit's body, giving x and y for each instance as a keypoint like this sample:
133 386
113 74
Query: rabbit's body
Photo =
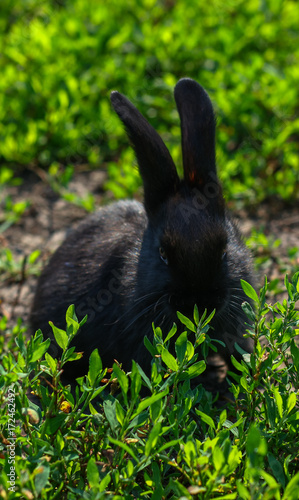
95 269
130 265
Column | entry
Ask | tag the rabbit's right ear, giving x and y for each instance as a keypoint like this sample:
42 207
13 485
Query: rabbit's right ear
156 167
198 132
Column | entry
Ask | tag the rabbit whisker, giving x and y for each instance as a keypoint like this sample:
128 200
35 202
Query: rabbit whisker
161 300
137 316
135 305
152 305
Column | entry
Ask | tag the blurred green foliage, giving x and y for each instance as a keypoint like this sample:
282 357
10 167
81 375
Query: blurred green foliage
61 58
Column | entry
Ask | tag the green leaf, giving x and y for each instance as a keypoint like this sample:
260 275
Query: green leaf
55 423
271 410
229 496
196 369
104 483
33 256
171 333
156 376
208 319
95 366
136 380
150 346
187 322
72 328
244 384
70 314
291 402
200 339
196 315
72 322
277 327
138 421
60 336
273 485
241 367
286 464
277 469
110 413
51 362
242 490
41 478
190 351
295 354
248 311
83 321
169 444
144 377
218 458
290 288
291 491
169 360
122 378
70 355
156 409
181 346
39 351
130 468
279 402
190 452
157 333
157 481
249 291
255 443
206 418
234 458
145 403
119 412
123 446
222 418
93 475
152 439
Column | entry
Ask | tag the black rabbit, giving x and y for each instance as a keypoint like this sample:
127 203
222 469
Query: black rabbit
130 265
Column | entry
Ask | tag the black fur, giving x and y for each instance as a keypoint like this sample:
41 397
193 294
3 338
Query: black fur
130 265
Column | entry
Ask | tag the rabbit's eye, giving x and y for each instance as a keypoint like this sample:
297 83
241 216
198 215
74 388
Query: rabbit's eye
224 255
163 255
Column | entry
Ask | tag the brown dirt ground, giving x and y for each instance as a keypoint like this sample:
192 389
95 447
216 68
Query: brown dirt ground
45 223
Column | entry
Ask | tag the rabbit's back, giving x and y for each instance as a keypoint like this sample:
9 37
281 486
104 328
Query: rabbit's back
94 269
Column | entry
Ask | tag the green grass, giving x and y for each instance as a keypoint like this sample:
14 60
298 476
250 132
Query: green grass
14 269
105 440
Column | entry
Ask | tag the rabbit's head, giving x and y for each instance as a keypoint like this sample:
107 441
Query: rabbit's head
191 251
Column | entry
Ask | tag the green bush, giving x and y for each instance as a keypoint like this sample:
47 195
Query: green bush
106 440
60 60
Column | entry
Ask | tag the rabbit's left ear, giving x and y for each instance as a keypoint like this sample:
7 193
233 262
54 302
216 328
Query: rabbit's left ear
198 132
156 167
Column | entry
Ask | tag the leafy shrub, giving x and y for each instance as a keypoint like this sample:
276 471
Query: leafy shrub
105 439
60 60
